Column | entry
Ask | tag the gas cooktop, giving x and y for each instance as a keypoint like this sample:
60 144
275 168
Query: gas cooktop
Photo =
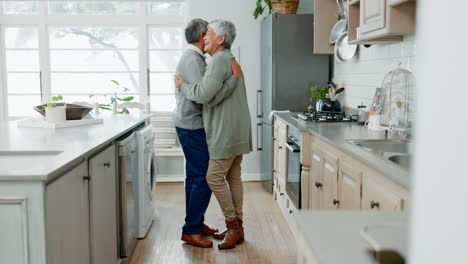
325 117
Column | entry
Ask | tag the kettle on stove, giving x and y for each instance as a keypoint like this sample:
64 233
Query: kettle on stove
330 104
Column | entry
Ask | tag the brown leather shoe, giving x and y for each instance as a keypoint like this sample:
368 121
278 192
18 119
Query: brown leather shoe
221 235
208 231
197 240
234 235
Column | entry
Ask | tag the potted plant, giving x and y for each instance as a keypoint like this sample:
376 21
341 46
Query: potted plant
316 94
55 113
277 6
112 106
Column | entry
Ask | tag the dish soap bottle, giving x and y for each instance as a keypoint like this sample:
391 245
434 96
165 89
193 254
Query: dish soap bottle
362 115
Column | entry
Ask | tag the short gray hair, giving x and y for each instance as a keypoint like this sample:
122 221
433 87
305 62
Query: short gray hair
226 28
194 28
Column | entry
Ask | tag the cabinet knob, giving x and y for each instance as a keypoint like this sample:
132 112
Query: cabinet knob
274 138
290 211
318 185
281 194
335 202
107 164
86 178
280 147
374 204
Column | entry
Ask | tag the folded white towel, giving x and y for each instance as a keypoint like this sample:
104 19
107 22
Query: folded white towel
270 116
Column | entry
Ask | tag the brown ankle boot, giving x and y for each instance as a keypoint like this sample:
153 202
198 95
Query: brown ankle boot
221 235
234 235
197 240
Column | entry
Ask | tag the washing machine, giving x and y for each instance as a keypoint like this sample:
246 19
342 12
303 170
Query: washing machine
146 180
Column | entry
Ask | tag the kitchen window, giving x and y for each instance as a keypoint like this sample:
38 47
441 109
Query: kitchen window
75 48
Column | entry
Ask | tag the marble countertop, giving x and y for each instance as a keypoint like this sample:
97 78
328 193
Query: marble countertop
336 135
334 236
74 144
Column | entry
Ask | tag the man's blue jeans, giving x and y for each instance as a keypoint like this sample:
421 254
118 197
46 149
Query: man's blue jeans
197 191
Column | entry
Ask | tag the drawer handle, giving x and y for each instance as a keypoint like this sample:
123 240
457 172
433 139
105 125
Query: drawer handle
374 204
280 147
281 194
86 178
335 202
318 185
107 164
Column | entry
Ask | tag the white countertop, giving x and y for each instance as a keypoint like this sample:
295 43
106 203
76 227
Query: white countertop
334 236
74 142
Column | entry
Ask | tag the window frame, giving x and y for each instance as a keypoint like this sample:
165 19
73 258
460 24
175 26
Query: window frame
143 20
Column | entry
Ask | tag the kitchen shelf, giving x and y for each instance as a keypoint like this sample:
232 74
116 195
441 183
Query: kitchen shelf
165 152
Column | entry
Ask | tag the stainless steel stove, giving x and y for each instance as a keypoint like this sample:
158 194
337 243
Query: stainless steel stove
325 117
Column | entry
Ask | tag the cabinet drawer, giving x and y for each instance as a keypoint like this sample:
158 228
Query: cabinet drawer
380 194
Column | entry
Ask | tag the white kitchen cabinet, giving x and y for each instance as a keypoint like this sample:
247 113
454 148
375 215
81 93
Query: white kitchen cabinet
349 185
380 194
103 206
316 179
67 218
372 15
330 181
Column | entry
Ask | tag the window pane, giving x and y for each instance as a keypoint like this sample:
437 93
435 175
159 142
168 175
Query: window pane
168 8
21 37
22 105
93 37
165 38
162 83
93 8
20 7
90 83
164 60
98 60
163 103
23 83
22 60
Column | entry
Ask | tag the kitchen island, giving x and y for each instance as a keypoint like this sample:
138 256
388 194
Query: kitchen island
58 192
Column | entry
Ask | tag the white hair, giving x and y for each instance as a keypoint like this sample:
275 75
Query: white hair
226 28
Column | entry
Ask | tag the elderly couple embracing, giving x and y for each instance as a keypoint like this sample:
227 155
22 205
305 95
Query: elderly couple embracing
213 125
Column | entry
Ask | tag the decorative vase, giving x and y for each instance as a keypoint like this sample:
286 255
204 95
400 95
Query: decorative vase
285 7
56 114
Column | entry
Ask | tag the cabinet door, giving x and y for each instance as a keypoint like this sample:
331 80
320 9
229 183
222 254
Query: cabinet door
103 201
67 218
330 181
316 180
372 15
349 186
275 148
381 194
282 155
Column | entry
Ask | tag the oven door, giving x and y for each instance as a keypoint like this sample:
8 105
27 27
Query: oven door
293 177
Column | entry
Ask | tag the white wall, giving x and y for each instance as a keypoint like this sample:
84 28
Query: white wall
439 220
248 41
367 69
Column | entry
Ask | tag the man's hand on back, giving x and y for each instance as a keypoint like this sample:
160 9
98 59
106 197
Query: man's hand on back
178 82
236 69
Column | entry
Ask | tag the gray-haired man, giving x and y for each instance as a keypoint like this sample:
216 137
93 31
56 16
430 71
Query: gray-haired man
189 125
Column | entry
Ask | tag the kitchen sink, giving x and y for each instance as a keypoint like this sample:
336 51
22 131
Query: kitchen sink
383 145
402 160
29 152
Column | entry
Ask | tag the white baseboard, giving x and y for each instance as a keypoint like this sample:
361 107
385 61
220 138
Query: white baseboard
180 178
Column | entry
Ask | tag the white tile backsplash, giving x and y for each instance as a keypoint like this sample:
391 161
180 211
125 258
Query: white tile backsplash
366 70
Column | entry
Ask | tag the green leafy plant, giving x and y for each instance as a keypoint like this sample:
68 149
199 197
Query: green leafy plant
259 8
317 93
117 97
55 100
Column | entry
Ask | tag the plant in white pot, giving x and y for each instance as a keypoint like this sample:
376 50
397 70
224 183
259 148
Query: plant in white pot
55 113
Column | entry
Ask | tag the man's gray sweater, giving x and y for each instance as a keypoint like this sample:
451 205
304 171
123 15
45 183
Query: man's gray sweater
192 67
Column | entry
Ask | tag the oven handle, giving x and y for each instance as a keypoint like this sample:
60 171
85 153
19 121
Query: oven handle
292 147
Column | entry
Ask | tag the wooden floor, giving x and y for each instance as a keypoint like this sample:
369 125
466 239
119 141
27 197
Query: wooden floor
268 238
